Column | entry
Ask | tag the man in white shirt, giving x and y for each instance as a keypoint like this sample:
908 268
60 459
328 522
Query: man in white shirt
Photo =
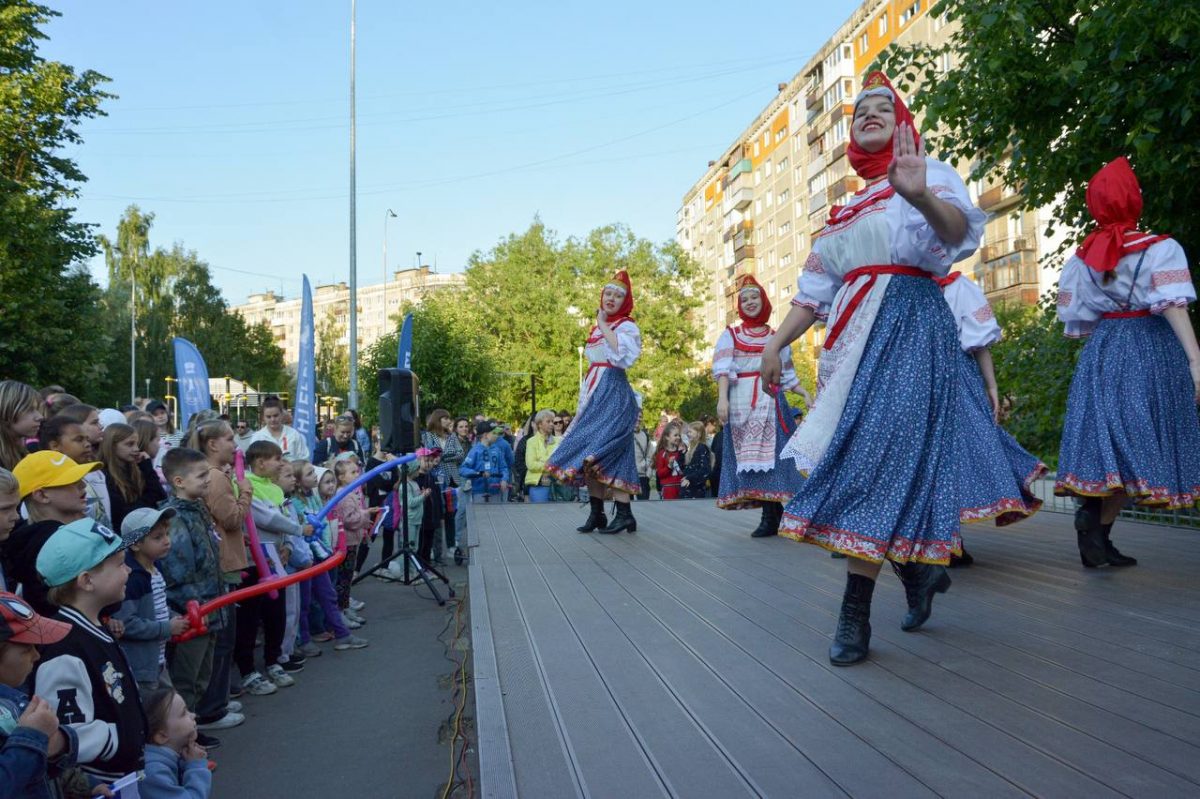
243 436
286 437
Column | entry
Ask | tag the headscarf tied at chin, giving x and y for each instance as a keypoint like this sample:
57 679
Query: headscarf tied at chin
1114 199
764 313
869 165
621 280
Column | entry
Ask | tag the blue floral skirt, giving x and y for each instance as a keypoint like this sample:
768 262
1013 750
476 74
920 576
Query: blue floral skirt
1131 423
887 486
752 489
997 473
599 442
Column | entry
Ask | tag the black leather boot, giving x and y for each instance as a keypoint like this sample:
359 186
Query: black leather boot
853 637
622 521
1115 558
961 561
765 527
1088 534
776 517
596 519
921 582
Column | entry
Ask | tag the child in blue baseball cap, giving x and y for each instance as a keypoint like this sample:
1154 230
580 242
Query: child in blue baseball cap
85 676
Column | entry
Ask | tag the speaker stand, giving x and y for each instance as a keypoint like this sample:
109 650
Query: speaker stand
414 568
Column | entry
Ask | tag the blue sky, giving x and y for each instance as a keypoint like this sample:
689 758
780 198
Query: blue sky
232 121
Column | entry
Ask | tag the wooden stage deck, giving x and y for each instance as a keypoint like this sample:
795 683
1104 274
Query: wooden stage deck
689 660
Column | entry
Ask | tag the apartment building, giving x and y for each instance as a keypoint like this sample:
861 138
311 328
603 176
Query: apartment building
377 306
758 205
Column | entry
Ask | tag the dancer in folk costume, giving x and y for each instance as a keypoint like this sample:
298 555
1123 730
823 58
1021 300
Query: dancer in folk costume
1131 429
879 444
996 473
756 419
598 446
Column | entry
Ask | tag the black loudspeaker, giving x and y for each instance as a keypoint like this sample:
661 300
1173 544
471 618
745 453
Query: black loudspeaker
399 428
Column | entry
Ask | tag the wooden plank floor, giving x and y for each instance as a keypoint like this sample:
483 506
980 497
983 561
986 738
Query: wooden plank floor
690 660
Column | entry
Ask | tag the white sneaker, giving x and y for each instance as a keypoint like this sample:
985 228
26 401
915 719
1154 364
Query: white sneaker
352 615
350 642
224 723
356 604
257 685
396 569
351 624
234 706
277 675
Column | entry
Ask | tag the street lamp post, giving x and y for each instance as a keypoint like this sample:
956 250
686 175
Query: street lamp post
132 332
353 230
389 215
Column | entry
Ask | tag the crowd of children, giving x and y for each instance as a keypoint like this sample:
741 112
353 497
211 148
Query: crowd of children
111 523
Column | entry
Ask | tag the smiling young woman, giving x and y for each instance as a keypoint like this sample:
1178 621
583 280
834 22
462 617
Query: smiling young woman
597 448
889 362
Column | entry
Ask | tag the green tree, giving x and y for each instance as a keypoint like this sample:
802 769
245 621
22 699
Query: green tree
49 301
1047 91
174 297
456 369
536 299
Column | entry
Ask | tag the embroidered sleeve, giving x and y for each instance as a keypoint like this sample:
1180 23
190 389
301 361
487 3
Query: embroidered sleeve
1170 280
816 288
723 357
913 238
1078 315
977 327
629 346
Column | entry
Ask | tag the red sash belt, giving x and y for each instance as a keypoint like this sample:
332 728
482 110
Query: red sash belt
754 397
592 378
874 272
1125 314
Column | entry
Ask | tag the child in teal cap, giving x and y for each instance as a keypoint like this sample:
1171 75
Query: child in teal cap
85 676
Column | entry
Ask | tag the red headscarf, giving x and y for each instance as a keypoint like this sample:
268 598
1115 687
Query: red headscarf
1114 199
873 165
764 314
621 279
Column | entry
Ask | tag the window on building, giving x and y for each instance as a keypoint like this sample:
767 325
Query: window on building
780 135
758 206
907 14
941 20
771 288
847 51
784 227
783 165
767 168
883 24
864 42
785 261
756 149
757 176
945 62
770 228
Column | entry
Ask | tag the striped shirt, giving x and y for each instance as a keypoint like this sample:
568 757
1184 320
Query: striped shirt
158 587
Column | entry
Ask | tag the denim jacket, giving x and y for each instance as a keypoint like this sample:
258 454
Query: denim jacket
192 569
24 771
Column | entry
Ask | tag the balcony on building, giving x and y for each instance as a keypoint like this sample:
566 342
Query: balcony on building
738 232
1010 270
846 185
998 197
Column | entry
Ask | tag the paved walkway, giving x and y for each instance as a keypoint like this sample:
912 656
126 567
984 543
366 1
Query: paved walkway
368 724
690 660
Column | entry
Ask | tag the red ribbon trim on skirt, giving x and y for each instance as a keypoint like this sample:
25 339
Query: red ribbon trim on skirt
1125 314
874 271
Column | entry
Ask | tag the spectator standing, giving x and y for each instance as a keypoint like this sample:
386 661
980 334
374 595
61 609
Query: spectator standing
643 454
287 438
361 435
341 441
99 506
697 464
486 469
243 436
20 418
536 449
520 468
669 461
